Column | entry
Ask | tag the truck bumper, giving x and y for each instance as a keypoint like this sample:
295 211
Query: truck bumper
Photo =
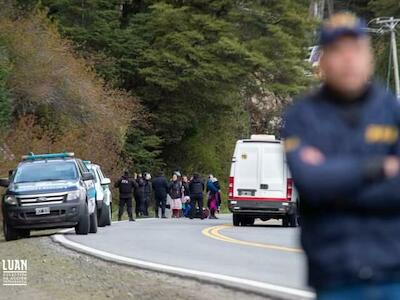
61 215
268 209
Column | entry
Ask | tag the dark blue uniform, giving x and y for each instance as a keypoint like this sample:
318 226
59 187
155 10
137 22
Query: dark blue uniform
350 211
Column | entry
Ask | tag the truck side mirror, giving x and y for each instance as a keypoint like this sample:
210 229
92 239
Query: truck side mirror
87 176
105 181
4 182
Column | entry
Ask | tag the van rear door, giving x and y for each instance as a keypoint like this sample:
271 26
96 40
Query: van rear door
273 172
247 169
259 172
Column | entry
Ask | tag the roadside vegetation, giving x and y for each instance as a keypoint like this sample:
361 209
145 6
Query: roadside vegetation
153 84
145 84
52 100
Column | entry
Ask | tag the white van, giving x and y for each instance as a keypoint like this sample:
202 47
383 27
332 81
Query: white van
260 184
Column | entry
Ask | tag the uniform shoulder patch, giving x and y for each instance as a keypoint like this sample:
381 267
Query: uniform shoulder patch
376 133
291 143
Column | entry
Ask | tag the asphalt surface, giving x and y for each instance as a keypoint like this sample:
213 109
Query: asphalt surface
265 252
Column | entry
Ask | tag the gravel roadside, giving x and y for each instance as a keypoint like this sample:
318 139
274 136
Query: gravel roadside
58 273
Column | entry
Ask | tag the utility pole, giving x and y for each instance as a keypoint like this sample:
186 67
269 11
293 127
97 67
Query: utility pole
395 62
389 25
319 9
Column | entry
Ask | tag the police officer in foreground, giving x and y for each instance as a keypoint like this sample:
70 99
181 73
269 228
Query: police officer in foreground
126 186
342 146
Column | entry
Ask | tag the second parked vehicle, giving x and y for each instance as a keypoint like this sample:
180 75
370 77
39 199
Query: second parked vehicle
103 194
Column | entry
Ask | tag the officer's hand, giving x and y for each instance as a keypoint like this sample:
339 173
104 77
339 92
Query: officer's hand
312 156
391 166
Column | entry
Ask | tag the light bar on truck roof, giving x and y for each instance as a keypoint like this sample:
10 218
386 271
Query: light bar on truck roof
87 162
32 156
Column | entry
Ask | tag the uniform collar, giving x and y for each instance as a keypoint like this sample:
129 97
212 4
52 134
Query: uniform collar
333 96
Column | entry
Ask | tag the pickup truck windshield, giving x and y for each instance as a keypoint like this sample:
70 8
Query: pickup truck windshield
46 171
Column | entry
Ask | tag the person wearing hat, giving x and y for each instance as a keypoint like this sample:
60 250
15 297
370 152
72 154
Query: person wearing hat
147 193
342 147
126 187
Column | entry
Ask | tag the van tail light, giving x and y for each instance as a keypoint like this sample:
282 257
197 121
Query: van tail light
289 189
230 186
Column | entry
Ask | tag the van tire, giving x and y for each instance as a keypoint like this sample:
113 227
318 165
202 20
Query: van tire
248 221
10 233
251 221
285 221
84 221
236 220
292 220
93 221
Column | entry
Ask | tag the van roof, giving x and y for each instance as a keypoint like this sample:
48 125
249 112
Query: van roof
261 138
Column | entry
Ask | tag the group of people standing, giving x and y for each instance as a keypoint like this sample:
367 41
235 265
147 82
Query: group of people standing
186 195
140 187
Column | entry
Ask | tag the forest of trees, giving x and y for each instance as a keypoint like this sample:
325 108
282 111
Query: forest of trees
153 84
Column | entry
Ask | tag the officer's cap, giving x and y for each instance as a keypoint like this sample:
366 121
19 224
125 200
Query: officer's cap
342 24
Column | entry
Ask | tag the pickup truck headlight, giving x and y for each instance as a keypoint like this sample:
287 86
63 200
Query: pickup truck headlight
73 195
11 200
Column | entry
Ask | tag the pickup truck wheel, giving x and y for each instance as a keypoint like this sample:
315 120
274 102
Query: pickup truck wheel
105 216
93 221
10 233
83 225
236 220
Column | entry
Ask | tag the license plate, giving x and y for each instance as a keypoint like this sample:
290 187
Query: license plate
42 210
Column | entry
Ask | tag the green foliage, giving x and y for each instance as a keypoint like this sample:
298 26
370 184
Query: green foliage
93 25
53 99
143 151
360 7
385 8
5 101
193 63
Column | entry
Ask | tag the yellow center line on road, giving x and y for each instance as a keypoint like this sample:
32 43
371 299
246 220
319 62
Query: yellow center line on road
214 233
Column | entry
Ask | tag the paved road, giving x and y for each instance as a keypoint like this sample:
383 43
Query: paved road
265 252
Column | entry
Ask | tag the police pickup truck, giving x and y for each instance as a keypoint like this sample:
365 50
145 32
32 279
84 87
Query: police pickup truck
48 191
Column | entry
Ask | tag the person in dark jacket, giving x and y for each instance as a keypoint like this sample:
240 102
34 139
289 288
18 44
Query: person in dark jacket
139 195
196 189
185 186
126 187
342 146
160 188
186 196
147 194
175 192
